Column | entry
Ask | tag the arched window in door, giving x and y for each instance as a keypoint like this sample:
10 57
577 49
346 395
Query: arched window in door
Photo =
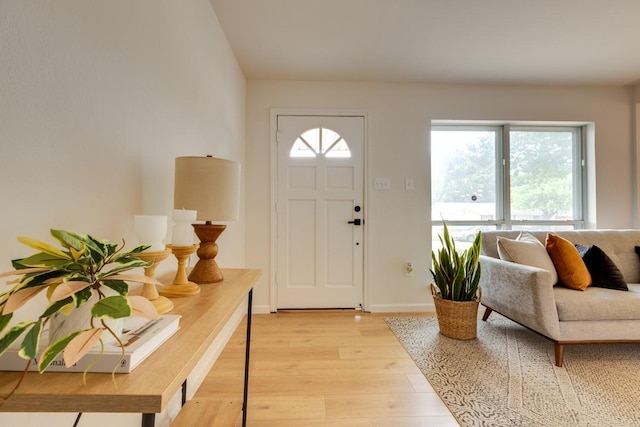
320 141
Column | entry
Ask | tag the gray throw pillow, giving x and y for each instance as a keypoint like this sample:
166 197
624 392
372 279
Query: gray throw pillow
527 250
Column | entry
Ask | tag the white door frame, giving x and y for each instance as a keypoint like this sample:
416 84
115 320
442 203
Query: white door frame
275 112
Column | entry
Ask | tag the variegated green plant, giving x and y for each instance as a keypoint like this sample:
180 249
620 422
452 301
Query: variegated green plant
456 274
70 276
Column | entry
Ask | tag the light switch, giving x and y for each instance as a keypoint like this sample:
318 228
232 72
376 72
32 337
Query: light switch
382 184
408 184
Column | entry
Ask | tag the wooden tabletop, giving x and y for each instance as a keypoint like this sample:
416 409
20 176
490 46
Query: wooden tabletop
153 383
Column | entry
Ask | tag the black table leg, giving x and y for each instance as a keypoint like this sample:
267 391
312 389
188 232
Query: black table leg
246 360
148 420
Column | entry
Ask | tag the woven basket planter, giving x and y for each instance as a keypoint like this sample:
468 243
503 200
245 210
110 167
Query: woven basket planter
456 319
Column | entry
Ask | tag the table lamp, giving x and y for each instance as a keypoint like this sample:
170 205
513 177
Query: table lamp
210 186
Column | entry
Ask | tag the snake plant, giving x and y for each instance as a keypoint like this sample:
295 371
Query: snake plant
456 274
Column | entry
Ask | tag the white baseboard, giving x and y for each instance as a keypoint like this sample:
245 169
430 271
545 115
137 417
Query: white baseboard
261 309
402 308
374 308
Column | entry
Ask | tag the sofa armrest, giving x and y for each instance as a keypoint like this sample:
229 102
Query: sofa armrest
522 293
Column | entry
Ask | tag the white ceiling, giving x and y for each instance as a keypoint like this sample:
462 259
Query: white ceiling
572 42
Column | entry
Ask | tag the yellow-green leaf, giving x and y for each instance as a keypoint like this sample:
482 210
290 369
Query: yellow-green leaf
66 289
68 239
67 309
114 307
13 334
31 342
141 306
20 298
80 345
43 247
77 254
4 321
41 259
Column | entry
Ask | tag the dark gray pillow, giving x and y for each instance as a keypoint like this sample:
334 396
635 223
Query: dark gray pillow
604 272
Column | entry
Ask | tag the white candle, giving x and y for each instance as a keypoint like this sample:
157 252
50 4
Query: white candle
151 230
183 230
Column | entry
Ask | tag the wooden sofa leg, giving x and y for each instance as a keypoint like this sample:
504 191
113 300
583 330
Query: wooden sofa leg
559 350
487 312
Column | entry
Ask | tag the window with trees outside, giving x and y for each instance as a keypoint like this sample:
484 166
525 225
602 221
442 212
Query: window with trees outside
505 177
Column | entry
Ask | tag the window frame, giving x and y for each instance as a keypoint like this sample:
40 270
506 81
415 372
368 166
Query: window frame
503 220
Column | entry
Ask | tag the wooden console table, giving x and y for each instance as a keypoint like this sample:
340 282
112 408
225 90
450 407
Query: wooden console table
148 389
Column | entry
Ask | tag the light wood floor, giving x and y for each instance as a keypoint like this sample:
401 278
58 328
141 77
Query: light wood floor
329 369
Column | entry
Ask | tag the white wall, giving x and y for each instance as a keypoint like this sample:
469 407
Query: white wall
97 98
398 221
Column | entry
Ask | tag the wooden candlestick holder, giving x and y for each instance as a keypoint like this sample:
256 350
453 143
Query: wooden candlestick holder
181 286
150 291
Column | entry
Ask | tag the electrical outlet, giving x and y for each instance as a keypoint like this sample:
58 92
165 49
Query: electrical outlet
408 269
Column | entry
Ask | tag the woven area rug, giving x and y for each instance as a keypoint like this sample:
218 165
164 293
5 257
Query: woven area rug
507 376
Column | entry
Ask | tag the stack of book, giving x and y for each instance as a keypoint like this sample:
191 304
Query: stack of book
140 337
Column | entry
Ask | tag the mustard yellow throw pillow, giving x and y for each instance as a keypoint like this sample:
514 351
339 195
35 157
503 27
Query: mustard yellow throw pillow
572 271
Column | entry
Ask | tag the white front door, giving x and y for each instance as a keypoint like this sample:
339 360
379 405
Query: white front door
319 208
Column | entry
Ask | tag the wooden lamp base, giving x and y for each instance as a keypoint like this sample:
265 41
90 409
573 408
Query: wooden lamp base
206 269
181 286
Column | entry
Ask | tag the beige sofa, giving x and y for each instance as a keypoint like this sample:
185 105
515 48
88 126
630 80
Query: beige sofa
528 296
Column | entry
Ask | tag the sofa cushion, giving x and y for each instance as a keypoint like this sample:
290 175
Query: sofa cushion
598 304
617 244
572 271
604 272
527 250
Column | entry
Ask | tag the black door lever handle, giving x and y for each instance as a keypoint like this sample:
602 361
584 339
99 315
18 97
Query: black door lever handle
356 221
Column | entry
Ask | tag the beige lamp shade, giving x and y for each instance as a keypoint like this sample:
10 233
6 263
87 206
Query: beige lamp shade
208 185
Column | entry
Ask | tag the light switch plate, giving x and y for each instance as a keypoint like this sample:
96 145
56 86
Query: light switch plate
382 184
408 184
